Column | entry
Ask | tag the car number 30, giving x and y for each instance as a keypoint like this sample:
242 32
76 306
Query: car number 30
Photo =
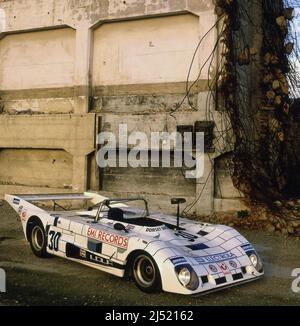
53 241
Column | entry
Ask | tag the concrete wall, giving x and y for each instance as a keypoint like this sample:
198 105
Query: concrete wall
138 74
36 167
66 63
72 133
226 196
157 50
223 183
37 71
37 60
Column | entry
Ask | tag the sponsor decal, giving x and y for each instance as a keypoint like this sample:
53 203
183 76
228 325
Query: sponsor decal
82 253
99 260
178 260
213 268
24 216
215 258
156 229
113 239
75 252
233 264
224 268
22 213
16 201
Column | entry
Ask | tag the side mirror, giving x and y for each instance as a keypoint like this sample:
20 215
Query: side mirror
120 227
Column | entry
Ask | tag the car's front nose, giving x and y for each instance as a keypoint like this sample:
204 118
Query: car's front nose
181 276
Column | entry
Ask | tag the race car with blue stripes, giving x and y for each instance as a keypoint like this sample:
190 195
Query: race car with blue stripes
159 251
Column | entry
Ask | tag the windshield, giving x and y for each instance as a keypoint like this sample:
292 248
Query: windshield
121 204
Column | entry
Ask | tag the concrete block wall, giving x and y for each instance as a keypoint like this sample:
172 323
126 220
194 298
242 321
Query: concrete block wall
66 63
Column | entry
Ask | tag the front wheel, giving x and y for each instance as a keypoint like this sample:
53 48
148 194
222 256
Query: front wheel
38 240
146 273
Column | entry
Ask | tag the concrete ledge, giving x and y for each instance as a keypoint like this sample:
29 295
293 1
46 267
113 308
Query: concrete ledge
39 106
154 88
13 189
38 93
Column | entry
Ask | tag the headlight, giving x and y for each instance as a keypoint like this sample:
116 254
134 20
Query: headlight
184 276
254 260
187 276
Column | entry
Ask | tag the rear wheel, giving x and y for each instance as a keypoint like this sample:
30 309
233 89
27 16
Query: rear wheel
146 273
38 239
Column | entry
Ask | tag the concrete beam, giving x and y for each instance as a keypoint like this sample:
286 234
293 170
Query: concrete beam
82 65
73 133
204 195
79 173
36 14
208 35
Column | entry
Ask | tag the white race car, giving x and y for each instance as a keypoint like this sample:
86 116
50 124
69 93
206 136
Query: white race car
159 251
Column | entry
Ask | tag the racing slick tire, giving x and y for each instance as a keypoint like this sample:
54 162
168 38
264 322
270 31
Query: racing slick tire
146 273
38 239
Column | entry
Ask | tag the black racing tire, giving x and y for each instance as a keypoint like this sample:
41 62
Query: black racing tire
146 274
38 239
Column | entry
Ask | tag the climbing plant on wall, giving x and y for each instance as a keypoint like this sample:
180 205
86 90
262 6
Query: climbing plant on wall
256 82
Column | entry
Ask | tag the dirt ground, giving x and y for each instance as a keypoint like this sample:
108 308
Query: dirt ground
54 281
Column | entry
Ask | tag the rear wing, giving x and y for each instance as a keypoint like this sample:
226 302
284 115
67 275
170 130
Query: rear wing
28 200
94 198
47 197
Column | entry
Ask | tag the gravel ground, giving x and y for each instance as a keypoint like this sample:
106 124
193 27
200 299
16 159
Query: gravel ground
54 281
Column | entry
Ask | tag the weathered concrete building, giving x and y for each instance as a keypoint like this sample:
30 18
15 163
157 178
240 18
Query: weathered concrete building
71 68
